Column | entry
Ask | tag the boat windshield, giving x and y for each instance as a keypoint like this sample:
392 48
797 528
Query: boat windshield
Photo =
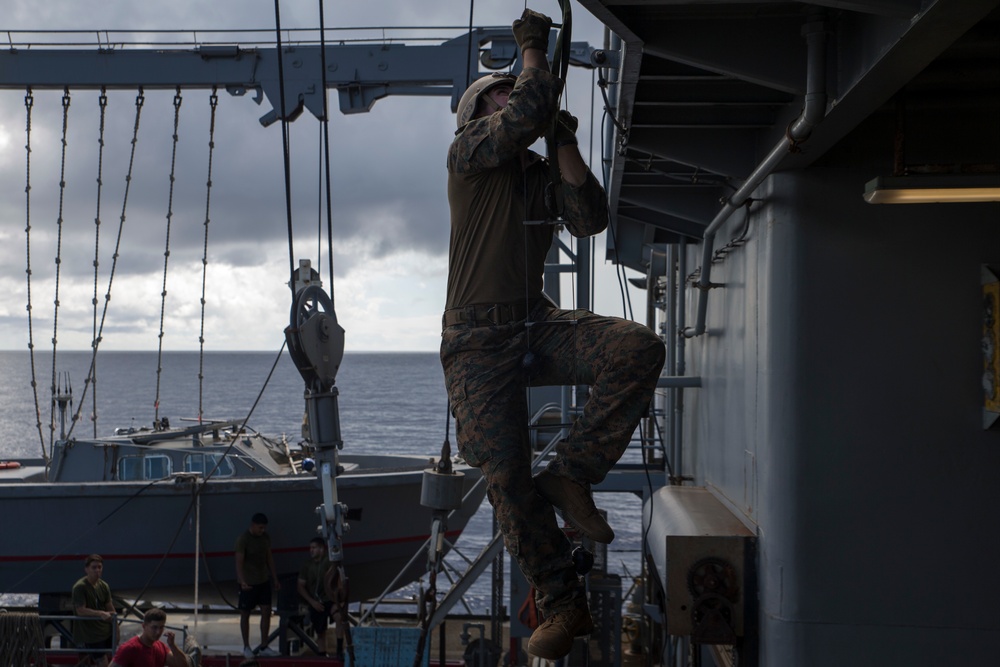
155 466
206 463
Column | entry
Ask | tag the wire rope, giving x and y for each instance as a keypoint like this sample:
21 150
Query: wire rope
58 261
166 251
29 103
102 102
286 157
213 102
326 151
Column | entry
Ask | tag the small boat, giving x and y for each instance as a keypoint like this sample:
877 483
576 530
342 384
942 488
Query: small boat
156 503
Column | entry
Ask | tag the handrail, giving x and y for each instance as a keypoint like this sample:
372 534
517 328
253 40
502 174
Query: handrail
56 621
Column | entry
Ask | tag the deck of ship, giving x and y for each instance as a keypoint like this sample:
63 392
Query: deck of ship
217 635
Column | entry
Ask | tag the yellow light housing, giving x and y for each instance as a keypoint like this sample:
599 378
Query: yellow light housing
938 188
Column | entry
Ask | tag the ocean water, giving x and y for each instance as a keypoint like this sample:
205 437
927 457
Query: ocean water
389 403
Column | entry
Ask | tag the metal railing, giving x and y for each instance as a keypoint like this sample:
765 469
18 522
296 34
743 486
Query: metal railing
58 622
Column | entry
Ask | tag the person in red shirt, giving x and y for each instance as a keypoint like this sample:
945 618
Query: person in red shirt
146 650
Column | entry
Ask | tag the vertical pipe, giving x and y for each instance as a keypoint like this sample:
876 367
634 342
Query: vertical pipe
681 367
647 437
673 286
584 299
197 548
442 639
800 130
611 43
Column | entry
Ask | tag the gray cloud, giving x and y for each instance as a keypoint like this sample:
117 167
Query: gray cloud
388 176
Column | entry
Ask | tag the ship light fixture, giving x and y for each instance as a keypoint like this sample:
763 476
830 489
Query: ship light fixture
939 188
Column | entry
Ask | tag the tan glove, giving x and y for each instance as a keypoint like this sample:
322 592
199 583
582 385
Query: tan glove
531 31
566 124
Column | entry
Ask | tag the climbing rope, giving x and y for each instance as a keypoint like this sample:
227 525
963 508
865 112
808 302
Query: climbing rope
166 253
29 103
213 102
103 103
554 190
139 102
560 67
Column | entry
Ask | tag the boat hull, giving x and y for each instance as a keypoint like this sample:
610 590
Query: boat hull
149 534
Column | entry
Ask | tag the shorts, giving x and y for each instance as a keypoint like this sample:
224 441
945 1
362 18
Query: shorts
259 595
92 658
320 619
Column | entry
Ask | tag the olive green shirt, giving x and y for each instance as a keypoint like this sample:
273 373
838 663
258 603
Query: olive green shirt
493 256
255 549
92 597
313 573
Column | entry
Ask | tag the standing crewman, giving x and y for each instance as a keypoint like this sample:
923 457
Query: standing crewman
91 597
490 353
256 575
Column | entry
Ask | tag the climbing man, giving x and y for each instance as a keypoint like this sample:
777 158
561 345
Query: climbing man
501 334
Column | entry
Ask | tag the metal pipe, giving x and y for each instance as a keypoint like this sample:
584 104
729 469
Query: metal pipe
813 112
611 43
670 333
651 278
677 423
678 381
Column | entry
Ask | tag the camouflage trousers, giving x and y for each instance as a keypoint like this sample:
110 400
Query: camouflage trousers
486 373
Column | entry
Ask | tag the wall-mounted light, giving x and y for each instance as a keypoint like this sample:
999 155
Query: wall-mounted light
925 189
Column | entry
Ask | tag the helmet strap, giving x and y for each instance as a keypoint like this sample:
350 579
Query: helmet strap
491 106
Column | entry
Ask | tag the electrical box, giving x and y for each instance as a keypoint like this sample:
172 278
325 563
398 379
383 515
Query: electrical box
703 557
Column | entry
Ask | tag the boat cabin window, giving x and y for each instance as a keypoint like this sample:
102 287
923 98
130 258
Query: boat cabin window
205 463
132 468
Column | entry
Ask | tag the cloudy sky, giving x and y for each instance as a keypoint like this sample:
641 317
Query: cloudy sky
390 213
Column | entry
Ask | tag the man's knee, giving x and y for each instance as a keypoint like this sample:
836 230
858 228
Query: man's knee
645 349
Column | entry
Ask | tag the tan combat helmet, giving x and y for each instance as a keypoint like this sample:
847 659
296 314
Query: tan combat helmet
470 99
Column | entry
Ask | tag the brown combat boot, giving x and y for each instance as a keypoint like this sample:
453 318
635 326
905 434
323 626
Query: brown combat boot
576 503
553 639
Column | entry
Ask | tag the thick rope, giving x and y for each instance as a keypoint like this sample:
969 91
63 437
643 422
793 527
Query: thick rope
22 641
560 67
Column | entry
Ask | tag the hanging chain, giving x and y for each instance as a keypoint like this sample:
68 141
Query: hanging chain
29 103
139 101
166 253
59 227
213 101
92 378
